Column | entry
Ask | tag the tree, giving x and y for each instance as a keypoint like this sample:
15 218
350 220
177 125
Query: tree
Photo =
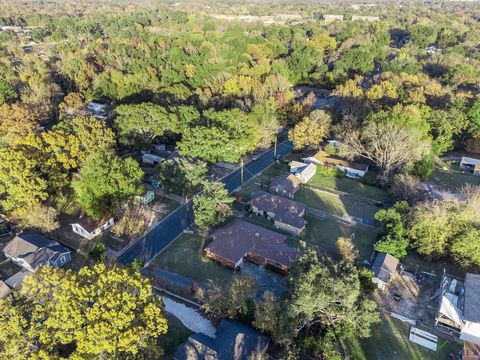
233 300
20 180
465 248
143 123
73 104
39 216
395 241
391 140
422 35
311 130
16 121
267 314
445 124
7 93
462 74
406 187
100 312
182 176
212 206
93 135
347 250
325 296
105 181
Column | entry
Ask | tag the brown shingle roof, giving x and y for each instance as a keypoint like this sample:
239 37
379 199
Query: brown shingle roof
288 182
286 211
238 237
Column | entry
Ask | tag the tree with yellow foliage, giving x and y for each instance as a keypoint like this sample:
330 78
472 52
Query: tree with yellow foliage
311 130
99 312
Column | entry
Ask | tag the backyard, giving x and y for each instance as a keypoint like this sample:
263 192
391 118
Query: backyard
452 178
336 204
389 340
323 234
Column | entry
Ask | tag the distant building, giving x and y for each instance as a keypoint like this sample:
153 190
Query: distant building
89 228
459 307
471 164
285 185
365 18
31 250
350 168
233 341
303 171
287 215
239 239
384 267
98 110
331 17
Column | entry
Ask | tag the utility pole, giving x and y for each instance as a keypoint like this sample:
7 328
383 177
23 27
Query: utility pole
241 171
275 149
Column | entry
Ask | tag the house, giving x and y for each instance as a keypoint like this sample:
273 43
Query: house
152 159
15 281
239 239
89 228
31 250
365 18
384 268
287 215
97 110
285 185
330 17
233 341
459 307
350 168
470 164
302 171
5 291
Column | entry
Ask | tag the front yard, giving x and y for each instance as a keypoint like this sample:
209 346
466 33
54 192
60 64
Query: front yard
185 257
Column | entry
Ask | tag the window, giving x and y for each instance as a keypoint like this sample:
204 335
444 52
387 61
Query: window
63 259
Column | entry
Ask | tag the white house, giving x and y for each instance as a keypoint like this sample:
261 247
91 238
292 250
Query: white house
89 228
350 168
459 307
31 250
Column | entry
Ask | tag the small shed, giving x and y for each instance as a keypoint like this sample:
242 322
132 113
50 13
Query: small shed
384 268
307 173
471 164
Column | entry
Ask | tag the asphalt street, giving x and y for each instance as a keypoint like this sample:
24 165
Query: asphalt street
165 231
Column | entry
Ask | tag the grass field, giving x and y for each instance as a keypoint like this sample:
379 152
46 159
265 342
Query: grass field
355 187
453 179
335 204
390 341
177 334
324 233
185 257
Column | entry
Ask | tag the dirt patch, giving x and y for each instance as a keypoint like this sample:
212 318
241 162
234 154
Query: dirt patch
410 298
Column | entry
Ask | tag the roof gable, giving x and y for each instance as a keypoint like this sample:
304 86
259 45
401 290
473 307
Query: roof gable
471 310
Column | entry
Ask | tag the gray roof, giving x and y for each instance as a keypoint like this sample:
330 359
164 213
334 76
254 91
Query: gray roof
234 341
287 182
471 310
384 266
33 248
285 210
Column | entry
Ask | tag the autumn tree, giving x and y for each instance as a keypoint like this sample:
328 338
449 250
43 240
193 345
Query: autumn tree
310 132
38 216
16 121
347 249
73 104
105 181
112 312
212 206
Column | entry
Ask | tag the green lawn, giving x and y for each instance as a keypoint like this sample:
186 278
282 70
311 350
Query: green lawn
323 234
390 341
452 178
177 334
335 204
355 187
185 257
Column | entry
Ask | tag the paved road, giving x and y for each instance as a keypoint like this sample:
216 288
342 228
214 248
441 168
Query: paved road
162 234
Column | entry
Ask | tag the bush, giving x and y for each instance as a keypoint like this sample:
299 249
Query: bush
423 168
98 252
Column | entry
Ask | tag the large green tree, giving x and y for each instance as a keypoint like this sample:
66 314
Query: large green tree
212 206
105 181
